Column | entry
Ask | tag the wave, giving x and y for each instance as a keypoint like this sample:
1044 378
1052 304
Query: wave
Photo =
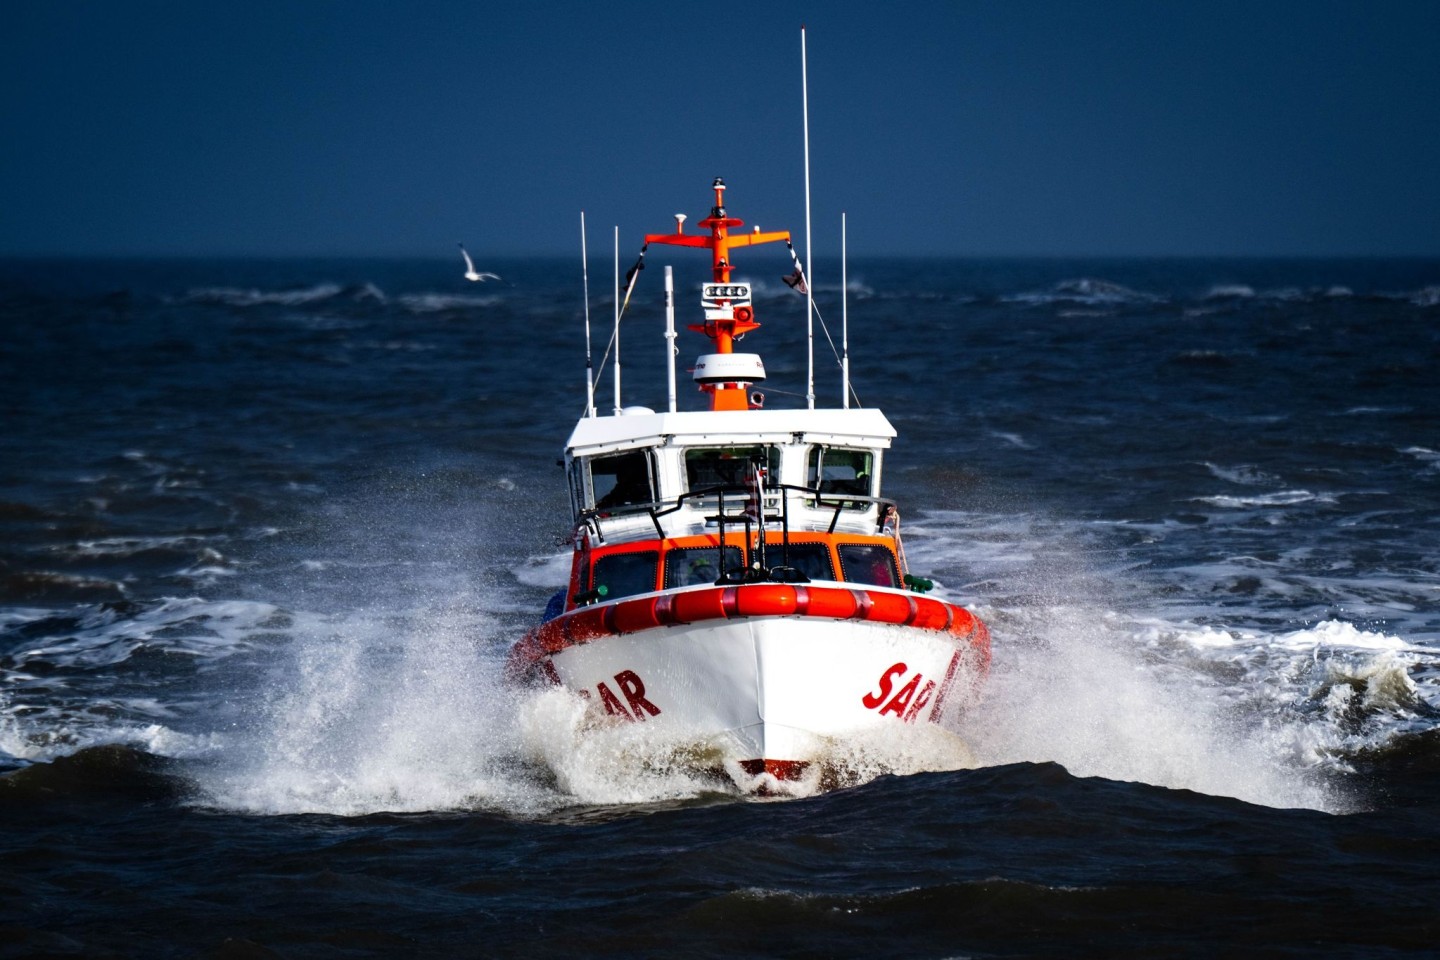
1244 474
114 632
1202 358
439 302
290 297
1119 654
184 545
1243 292
1086 290
99 773
1281 498
1431 458
49 586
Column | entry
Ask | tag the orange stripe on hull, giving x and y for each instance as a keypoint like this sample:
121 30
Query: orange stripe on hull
750 600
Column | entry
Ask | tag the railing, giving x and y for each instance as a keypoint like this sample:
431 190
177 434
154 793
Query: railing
760 570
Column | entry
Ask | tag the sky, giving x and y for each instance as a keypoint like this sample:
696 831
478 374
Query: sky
1023 128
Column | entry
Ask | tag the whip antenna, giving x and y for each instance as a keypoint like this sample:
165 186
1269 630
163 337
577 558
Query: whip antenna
844 315
670 332
589 367
616 335
809 283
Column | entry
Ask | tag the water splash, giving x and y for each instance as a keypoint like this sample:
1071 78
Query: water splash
1087 674
378 711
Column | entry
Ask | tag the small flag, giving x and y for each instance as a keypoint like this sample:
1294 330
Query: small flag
796 281
630 274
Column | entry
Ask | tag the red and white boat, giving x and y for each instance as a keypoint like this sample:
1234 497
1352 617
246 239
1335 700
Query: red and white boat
738 579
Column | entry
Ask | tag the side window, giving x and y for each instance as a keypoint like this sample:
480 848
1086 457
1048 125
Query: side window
726 466
577 485
811 559
625 574
621 480
695 565
869 563
840 470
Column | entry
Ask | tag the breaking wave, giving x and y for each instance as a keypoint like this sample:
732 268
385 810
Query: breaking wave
293 297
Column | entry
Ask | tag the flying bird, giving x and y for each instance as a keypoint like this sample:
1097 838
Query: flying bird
470 273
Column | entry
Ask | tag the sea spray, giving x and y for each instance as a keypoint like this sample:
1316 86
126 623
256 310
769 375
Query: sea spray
1085 674
1081 691
373 715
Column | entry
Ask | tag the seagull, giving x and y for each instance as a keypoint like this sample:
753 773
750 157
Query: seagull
470 273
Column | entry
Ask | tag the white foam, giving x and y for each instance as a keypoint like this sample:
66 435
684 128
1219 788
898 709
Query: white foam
1280 498
1246 474
39 736
246 297
1431 458
1089 674
1338 634
438 302
126 546
598 762
107 635
551 571
1014 439
378 713
1081 692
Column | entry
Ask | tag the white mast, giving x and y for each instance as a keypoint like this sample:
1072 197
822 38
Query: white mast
617 321
809 279
844 316
589 367
670 330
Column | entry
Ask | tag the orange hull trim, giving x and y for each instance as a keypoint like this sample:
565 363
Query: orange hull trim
751 600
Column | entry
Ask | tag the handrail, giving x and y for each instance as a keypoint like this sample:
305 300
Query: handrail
655 510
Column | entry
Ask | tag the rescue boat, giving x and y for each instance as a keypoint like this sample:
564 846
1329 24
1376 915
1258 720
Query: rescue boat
737 578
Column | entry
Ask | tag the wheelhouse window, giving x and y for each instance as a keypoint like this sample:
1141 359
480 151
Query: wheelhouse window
625 574
690 566
622 480
841 470
869 563
810 559
727 466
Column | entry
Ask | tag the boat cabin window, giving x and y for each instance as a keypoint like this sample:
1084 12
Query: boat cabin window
687 567
727 466
869 563
622 480
841 470
811 559
625 574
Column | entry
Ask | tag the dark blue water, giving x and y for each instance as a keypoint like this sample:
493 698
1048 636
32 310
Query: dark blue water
267 528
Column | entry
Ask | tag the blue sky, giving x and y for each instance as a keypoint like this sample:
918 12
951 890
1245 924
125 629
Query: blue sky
1020 128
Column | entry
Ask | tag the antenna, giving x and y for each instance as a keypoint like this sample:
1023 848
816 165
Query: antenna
617 321
809 277
670 350
589 367
844 315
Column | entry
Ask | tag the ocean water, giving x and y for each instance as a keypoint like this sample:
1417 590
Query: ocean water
267 529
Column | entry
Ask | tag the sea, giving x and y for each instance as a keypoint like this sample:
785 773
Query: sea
268 527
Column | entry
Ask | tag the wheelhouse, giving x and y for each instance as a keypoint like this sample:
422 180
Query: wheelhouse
668 501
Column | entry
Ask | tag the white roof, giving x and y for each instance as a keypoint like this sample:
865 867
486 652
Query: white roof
858 427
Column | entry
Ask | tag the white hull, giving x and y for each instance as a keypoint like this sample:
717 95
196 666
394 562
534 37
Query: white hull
768 693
